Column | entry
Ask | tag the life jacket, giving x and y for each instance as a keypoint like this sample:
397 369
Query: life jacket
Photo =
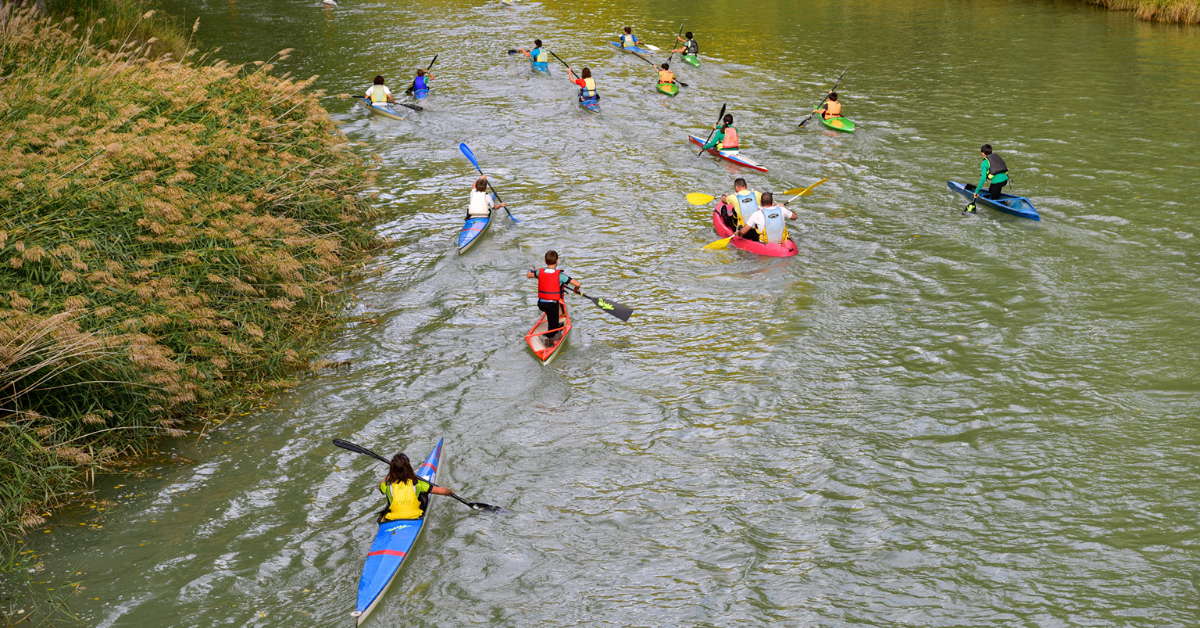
690 47
403 500
747 205
589 89
419 83
628 41
730 141
995 165
833 109
774 230
666 76
549 287
539 56
378 93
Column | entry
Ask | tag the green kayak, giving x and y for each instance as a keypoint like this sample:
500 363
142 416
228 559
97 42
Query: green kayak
693 60
669 89
839 124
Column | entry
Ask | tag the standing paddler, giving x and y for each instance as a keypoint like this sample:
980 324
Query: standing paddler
993 171
725 136
550 293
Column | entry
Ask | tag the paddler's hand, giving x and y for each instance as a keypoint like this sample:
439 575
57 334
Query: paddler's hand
723 197
577 289
500 205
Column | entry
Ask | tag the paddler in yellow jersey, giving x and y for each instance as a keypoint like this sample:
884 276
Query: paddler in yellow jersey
403 490
832 108
725 137
665 75
740 205
378 92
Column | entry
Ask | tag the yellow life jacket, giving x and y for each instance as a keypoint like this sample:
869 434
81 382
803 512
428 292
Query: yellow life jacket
378 93
589 89
403 502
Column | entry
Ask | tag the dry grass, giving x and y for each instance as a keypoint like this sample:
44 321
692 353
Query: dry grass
169 233
1176 11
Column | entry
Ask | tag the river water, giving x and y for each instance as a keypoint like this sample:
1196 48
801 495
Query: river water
922 419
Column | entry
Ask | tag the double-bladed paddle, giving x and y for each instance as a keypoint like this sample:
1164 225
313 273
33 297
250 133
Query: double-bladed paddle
832 89
359 449
710 133
466 151
412 87
720 244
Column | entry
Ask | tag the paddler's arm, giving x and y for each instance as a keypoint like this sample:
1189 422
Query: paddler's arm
983 172
532 274
441 490
717 137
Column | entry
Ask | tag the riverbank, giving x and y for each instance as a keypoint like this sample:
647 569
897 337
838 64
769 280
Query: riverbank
172 235
1174 11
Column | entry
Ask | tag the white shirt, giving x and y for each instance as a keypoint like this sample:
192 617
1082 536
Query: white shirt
386 91
758 220
481 202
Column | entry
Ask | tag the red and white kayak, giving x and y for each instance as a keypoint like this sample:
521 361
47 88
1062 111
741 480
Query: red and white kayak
730 155
787 249
543 348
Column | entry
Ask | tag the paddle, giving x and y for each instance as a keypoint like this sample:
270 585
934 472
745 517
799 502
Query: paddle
696 198
622 312
672 55
832 89
466 151
710 133
359 449
720 244
679 82
412 87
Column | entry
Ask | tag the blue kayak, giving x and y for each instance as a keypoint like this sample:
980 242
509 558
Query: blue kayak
420 94
542 68
392 543
473 229
1007 203
636 49
591 104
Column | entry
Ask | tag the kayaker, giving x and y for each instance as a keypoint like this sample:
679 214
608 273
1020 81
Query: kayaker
766 223
550 292
587 86
744 202
690 47
481 202
726 136
629 40
403 490
420 82
993 171
378 92
832 108
539 57
665 76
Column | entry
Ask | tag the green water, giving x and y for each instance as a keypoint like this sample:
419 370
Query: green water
922 419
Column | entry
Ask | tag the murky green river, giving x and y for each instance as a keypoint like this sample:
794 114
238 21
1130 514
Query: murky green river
922 419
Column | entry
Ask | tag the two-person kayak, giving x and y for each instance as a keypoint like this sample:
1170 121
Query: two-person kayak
393 542
787 249
730 155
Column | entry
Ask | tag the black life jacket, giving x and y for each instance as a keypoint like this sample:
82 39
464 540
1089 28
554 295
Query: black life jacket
690 47
995 165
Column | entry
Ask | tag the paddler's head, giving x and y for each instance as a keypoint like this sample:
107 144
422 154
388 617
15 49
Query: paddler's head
481 185
379 80
768 199
729 119
401 470
586 73
551 258
666 67
537 43
833 96
628 30
986 149
420 72
739 184
689 34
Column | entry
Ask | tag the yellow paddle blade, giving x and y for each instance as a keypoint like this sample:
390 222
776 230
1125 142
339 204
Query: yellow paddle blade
809 188
792 192
696 198
719 244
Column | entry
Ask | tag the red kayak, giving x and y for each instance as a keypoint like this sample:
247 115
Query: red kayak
787 249
543 348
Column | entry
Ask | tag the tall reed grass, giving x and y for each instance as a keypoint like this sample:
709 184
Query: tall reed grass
1177 11
170 232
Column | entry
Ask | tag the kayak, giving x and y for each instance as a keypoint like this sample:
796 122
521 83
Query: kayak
384 109
730 155
591 104
692 60
1007 203
670 89
838 124
473 229
787 249
635 50
393 542
536 337
542 68
420 94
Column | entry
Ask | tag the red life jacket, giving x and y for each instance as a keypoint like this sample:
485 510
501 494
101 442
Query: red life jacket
549 288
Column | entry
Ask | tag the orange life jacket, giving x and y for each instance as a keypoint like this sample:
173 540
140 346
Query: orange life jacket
666 76
549 287
833 109
730 141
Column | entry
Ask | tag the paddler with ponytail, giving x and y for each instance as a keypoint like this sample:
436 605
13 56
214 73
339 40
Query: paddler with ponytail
743 203
550 292
725 137
832 108
766 224
587 85
538 56
992 171
403 490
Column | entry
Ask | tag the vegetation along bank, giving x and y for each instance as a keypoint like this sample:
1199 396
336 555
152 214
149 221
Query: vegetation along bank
172 231
1178 11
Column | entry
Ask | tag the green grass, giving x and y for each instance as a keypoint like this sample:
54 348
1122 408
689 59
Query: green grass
170 234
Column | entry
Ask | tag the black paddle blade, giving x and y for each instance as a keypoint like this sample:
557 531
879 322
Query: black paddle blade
487 508
413 107
511 51
359 449
622 312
